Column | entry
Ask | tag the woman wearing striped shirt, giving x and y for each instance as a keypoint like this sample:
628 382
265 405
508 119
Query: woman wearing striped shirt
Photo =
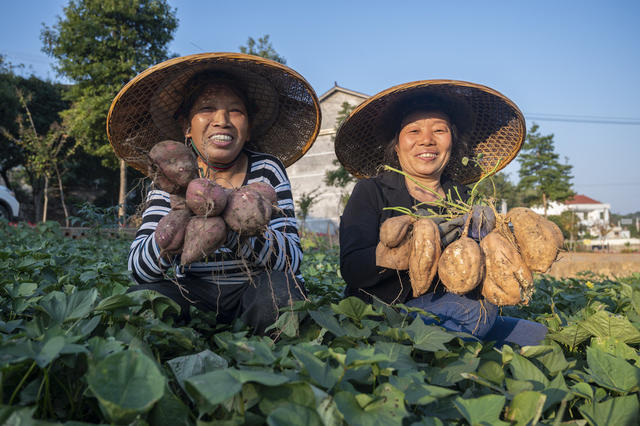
239 115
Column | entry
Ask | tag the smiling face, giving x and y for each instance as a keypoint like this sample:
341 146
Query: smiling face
218 123
424 144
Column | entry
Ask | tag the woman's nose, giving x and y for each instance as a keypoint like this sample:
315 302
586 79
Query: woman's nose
426 138
220 118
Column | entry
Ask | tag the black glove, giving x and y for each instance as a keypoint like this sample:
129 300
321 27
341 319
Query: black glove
483 220
450 230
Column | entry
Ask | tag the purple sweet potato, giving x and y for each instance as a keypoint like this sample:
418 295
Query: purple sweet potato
248 213
206 198
266 190
178 202
170 231
204 235
172 166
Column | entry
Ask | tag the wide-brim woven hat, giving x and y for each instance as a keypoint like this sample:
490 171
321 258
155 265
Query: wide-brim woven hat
285 124
489 122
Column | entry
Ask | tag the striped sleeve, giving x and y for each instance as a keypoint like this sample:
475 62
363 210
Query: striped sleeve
279 246
145 263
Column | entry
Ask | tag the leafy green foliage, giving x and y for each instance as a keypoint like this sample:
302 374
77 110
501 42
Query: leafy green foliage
74 347
263 48
542 177
100 45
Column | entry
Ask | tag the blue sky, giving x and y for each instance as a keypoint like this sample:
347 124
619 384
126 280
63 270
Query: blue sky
576 62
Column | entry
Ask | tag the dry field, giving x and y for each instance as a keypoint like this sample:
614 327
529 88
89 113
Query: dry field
609 264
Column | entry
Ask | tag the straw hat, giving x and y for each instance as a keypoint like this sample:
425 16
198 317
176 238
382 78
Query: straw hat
285 124
488 123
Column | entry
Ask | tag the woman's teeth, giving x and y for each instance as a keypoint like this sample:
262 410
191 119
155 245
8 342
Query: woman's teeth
427 155
222 138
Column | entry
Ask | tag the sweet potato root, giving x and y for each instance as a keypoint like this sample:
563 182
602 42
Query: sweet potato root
178 202
538 239
461 266
424 255
206 198
394 229
266 190
394 257
507 280
247 212
203 236
170 231
172 165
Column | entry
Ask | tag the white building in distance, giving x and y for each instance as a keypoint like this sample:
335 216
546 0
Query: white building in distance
307 175
593 214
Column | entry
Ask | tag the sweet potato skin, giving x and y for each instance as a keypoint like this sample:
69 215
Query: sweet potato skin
539 239
266 190
205 198
507 280
424 255
394 257
247 212
203 236
172 165
170 232
394 230
461 266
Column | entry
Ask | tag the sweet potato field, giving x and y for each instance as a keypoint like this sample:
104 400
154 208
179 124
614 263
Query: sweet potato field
74 349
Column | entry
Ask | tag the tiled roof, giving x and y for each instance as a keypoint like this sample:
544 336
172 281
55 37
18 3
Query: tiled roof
581 199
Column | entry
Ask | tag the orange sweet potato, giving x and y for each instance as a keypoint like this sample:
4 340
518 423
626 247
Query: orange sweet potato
266 190
507 280
394 230
461 266
394 257
538 239
424 255
171 230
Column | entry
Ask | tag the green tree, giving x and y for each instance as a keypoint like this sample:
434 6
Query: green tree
340 177
262 48
499 187
100 45
569 224
543 178
305 201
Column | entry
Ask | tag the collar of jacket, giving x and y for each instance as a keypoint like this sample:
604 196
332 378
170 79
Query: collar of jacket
395 181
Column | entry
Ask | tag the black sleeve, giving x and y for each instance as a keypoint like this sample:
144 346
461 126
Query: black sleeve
359 236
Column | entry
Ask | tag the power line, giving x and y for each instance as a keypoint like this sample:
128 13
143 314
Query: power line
584 119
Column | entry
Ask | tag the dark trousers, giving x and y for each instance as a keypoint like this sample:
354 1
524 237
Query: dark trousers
256 303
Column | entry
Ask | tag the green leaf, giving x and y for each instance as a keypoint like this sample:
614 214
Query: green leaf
484 410
126 384
570 336
293 414
452 373
549 356
61 307
616 347
217 386
364 356
288 323
422 394
605 324
299 394
621 411
583 390
328 321
399 356
320 371
523 369
526 408
384 407
169 411
555 392
115 302
491 371
49 351
353 308
187 366
612 372
428 338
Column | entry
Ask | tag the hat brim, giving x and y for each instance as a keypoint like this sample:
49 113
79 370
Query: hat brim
491 124
286 123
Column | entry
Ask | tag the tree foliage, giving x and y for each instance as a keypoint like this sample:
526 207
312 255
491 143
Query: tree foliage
499 187
45 101
100 45
263 48
543 178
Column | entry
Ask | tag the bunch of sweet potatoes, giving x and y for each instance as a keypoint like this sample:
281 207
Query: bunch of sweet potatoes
201 210
501 264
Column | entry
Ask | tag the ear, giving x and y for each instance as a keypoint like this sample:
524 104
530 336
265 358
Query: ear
186 129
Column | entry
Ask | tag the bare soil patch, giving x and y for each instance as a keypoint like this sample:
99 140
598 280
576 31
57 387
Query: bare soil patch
609 264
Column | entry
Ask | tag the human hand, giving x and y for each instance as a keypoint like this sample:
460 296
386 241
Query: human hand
483 220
